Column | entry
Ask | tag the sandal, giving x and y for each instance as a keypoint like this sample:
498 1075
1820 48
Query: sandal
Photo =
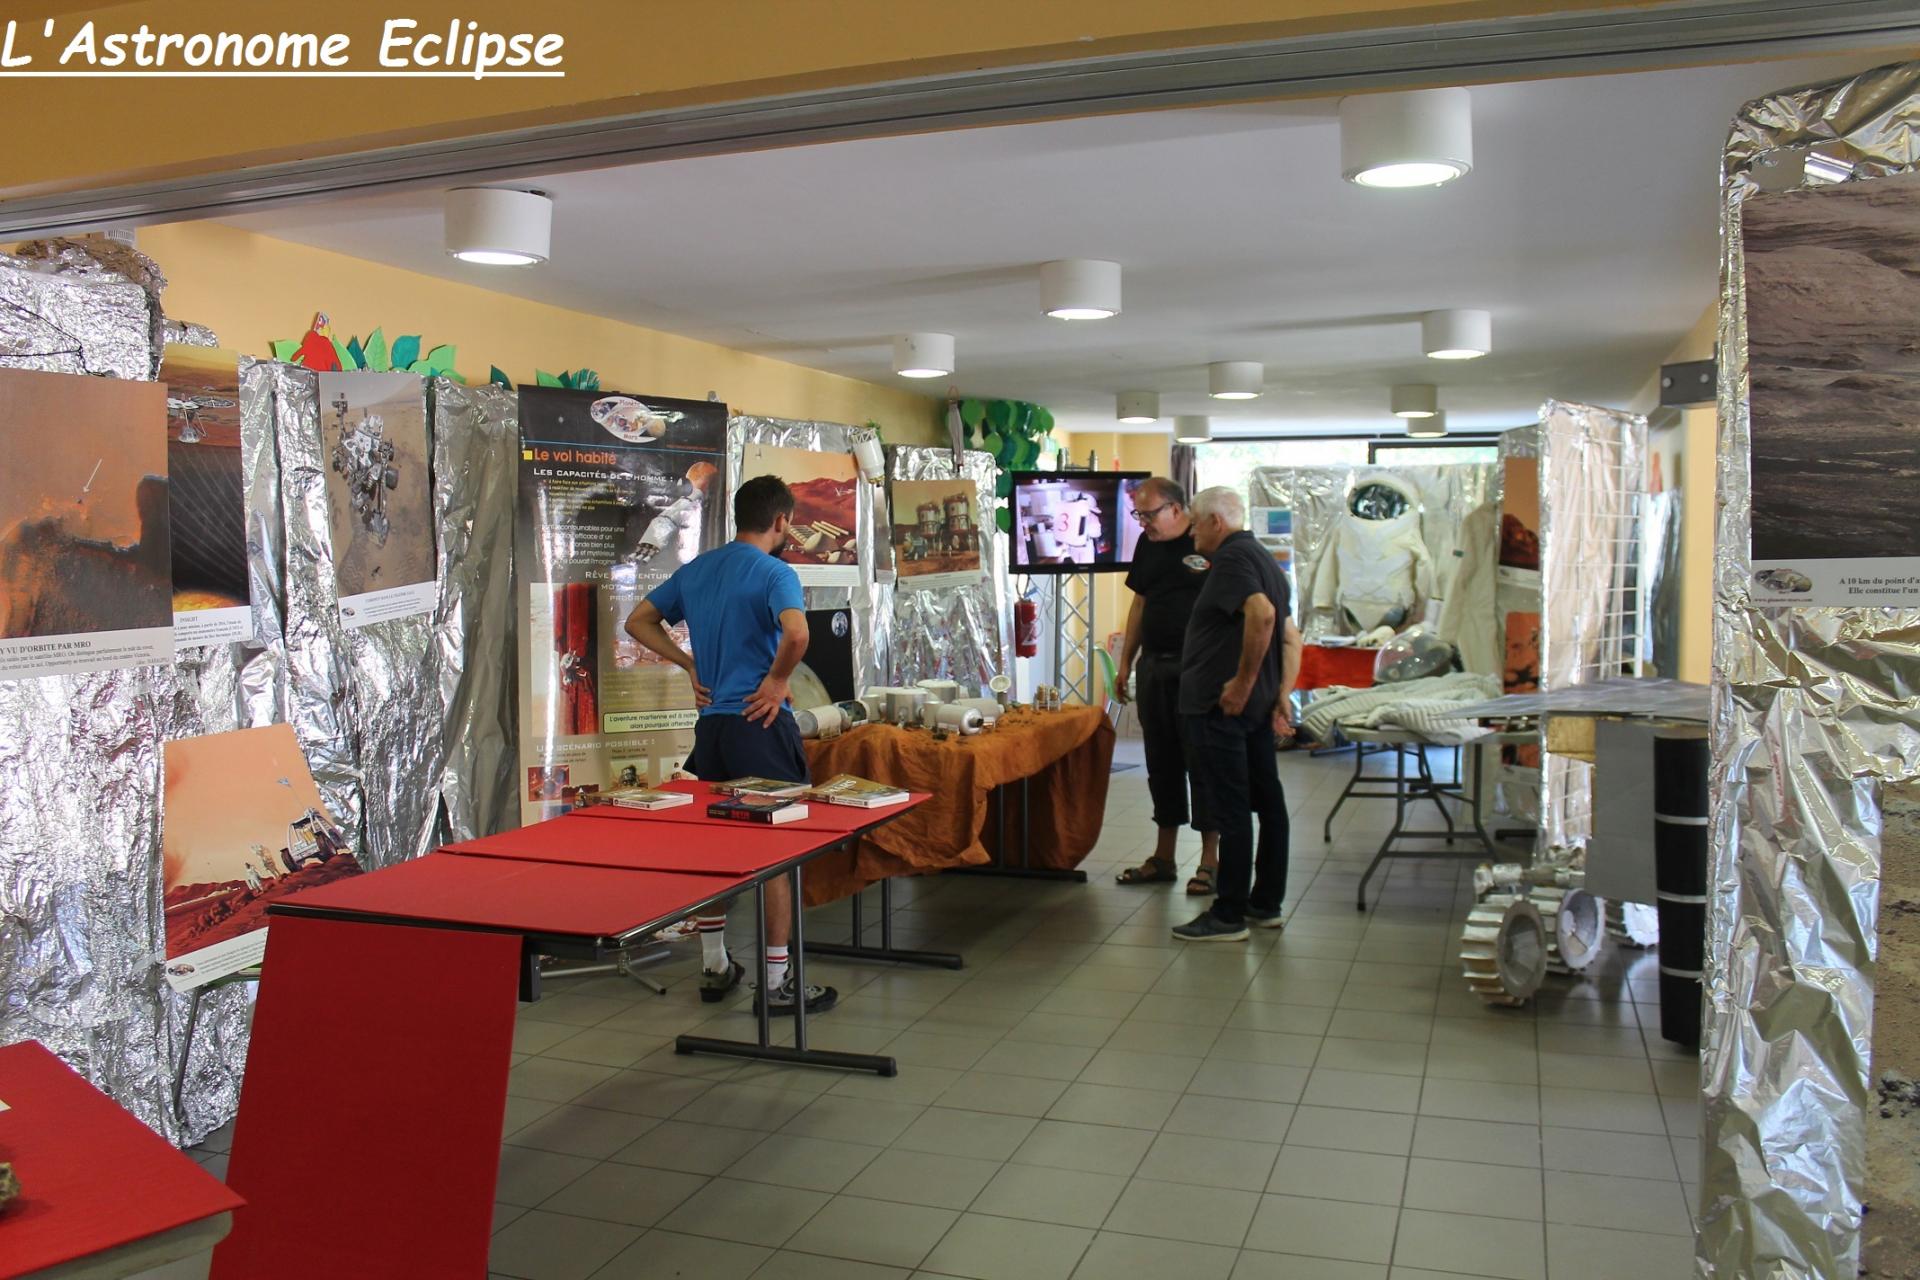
1201 886
1152 871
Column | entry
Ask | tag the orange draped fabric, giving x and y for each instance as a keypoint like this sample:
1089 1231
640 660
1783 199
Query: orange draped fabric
1067 755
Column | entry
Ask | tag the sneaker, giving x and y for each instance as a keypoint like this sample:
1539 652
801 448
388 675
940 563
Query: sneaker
1207 927
819 999
1259 921
715 987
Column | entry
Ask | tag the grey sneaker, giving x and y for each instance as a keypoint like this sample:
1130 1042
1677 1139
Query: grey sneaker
715 987
1207 927
819 999
1259 921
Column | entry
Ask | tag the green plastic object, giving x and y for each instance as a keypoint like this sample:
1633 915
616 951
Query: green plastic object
1108 673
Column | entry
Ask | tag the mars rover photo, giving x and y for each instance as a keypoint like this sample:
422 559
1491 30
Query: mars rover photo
363 456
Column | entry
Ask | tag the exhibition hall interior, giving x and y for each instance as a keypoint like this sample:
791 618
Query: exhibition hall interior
1188 654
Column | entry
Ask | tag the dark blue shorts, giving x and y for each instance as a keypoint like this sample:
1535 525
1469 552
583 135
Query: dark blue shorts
726 747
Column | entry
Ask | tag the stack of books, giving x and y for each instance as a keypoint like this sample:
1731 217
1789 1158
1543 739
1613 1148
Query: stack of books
748 806
859 793
642 798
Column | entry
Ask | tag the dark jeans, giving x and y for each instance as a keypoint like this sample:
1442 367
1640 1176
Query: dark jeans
1157 697
1233 760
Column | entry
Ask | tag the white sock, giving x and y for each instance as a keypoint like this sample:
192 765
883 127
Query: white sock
713 943
776 966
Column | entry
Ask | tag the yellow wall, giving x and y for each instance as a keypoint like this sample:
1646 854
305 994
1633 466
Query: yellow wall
251 289
620 58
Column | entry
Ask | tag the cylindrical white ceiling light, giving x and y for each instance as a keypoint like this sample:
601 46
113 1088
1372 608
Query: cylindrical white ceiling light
1416 400
1423 138
923 355
1080 289
1236 379
1456 335
1427 428
497 227
1137 406
1192 428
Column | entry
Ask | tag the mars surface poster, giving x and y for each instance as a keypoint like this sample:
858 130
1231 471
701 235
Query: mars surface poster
243 827
821 544
935 533
85 559
208 497
1833 364
616 492
373 434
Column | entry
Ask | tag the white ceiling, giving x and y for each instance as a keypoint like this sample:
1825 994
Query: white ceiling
1588 228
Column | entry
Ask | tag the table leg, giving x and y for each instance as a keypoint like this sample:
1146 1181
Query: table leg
1359 763
797 1053
1025 871
886 951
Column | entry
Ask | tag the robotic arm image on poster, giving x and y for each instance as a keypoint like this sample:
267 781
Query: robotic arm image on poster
1379 573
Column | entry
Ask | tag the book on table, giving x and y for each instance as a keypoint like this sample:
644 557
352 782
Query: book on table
643 798
857 792
759 787
771 810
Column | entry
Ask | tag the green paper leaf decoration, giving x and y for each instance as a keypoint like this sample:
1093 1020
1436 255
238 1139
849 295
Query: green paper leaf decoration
542 378
346 357
1022 417
440 359
1042 420
405 351
453 375
358 353
1000 414
285 349
494 377
1003 485
377 358
971 412
1029 454
991 443
1004 518
420 367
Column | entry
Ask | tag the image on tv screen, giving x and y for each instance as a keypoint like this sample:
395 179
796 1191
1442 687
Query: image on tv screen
1074 522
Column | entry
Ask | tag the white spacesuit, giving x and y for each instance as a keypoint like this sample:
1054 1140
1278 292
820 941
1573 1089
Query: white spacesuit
1376 569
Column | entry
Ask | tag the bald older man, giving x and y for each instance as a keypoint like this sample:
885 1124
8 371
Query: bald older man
1238 667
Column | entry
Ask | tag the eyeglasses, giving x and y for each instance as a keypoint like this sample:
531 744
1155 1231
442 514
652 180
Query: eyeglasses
1146 517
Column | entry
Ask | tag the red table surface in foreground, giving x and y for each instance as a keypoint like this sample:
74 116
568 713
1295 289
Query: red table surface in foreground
525 897
833 819
92 1177
1324 666
705 847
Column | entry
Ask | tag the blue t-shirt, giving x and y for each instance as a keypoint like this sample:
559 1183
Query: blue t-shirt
731 599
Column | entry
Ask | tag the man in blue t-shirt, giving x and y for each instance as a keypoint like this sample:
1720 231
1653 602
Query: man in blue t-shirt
745 619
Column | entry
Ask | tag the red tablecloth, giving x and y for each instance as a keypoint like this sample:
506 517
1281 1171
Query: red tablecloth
1323 666
837 819
531 897
92 1177
699 846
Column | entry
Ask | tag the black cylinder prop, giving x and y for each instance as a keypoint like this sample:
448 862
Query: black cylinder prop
1680 877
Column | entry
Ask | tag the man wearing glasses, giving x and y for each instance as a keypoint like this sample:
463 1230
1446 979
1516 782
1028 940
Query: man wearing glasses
1165 579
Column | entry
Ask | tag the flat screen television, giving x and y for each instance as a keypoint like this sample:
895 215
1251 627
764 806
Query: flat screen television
1074 521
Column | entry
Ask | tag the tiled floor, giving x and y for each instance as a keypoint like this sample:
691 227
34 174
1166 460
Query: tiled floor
1088 1099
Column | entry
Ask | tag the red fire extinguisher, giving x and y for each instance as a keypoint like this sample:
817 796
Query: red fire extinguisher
1026 628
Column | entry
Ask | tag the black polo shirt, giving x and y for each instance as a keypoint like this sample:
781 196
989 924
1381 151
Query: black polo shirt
1168 584
1240 567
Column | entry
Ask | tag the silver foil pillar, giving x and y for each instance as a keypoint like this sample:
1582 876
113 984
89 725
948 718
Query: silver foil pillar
1813 714
954 633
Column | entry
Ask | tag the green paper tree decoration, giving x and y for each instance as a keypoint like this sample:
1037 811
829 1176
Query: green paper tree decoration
1014 432
320 350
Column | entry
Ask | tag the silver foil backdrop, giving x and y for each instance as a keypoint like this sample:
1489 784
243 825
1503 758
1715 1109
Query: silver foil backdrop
1317 496
1813 714
865 600
476 459
955 633
1593 480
